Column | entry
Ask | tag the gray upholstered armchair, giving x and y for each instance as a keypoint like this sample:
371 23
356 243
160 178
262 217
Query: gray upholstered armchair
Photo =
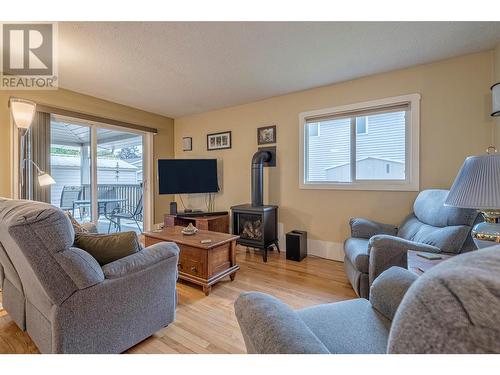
432 227
452 308
63 298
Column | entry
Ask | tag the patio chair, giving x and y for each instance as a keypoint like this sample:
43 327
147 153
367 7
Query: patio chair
70 194
128 213
108 209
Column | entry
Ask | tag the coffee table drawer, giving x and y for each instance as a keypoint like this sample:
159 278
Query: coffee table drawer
191 267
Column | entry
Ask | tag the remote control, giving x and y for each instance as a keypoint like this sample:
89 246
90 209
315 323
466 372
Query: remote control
430 256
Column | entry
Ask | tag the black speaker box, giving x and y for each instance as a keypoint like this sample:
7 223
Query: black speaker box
173 208
296 245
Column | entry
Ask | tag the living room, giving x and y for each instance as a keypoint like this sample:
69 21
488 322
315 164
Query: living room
263 188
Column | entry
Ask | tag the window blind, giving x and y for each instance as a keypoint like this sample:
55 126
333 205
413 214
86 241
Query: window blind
358 113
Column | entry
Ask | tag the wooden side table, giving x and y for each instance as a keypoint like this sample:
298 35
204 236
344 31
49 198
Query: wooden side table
420 265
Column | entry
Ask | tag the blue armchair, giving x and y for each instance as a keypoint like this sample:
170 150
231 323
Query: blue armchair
432 227
65 300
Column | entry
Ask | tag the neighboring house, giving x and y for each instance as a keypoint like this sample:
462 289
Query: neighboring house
369 168
137 162
380 136
66 170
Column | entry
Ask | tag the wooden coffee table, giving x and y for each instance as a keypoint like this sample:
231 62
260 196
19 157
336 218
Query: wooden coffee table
200 263
419 265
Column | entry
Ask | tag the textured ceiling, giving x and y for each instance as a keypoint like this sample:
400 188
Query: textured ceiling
181 68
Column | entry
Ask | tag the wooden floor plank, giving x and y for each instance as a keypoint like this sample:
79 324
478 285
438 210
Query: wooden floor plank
208 324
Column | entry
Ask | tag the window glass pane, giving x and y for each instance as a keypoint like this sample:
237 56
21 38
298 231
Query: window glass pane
361 126
328 153
119 180
313 129
70 168
380 153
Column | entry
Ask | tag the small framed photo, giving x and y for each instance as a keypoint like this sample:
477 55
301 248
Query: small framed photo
187 144
266 134
219 141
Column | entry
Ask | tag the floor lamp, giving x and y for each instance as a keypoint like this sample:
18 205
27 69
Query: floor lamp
23 112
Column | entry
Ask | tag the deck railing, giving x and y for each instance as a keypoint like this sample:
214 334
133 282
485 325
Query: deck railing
131 193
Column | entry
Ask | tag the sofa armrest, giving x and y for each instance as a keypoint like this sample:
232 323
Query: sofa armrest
271 327
80 266
365 228
387 251
140 260
389 288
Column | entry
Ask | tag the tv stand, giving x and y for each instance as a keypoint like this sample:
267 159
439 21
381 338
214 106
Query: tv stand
194 213
191 211
214 223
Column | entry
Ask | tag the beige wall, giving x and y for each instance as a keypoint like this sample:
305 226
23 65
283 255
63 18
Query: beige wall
496 78
455 123
163 141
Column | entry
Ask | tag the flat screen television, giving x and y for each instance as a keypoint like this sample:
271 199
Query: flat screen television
184 176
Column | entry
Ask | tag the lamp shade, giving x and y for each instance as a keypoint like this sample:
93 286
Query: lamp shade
477 184
495 94
22 112
45 179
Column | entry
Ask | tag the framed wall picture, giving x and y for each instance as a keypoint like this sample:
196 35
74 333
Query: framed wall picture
187 144
266 135
219 141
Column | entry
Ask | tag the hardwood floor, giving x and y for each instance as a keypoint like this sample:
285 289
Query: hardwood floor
208 324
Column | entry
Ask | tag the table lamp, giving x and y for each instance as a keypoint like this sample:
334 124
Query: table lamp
477 186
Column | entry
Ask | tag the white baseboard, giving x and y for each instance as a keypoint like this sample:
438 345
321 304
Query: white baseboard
326 249
319 248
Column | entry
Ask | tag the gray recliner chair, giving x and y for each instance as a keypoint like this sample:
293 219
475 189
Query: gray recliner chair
453 308
432 227
62 297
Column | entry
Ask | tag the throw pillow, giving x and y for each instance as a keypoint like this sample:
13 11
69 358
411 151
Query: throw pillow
106 248
78 228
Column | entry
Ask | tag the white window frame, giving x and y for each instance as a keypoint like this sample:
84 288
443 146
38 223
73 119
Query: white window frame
412 158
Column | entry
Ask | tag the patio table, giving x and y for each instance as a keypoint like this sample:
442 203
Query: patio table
101 203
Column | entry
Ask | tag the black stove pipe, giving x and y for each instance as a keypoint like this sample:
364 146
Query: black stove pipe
258 160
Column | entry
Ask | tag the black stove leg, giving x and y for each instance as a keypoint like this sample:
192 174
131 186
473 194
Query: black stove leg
264 254
277 247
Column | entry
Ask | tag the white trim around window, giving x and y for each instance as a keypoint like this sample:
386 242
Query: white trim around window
412 132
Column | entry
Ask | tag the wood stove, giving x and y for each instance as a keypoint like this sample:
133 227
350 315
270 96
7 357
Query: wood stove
256 224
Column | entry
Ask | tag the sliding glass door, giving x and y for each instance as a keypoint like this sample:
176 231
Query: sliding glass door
96 160
120 180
